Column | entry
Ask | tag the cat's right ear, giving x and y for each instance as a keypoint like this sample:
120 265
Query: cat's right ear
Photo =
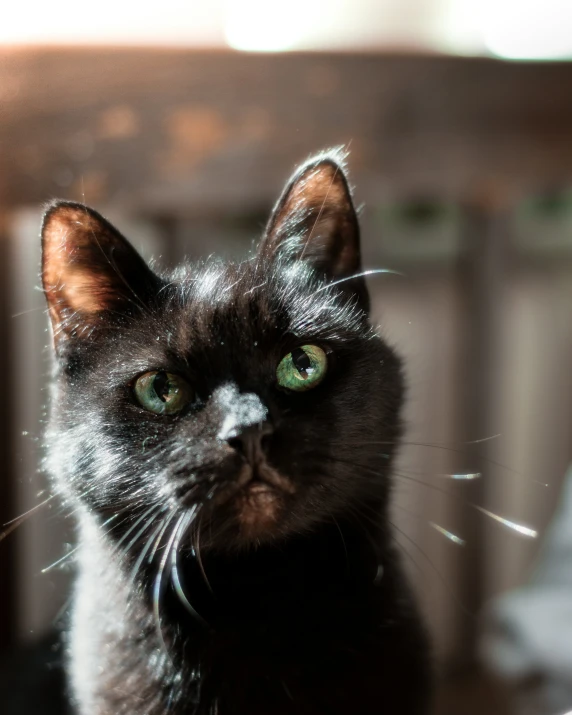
90 273
315 222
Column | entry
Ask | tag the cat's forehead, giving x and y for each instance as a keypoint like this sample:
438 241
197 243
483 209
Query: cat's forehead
228 318
248 300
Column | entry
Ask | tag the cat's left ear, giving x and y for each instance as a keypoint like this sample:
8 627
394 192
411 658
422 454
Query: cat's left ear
91 274
315 221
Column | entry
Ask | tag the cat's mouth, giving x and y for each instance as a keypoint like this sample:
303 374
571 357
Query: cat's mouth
259 478
258 494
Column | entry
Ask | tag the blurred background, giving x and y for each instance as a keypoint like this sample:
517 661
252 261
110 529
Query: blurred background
182 122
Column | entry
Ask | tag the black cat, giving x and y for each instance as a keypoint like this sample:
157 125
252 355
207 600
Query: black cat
225 435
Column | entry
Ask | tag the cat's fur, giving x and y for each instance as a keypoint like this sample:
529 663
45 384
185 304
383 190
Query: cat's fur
286 600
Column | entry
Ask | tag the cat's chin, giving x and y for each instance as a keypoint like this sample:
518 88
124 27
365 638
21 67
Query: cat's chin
258 510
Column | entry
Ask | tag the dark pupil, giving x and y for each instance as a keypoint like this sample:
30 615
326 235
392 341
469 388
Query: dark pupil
301 361
161 386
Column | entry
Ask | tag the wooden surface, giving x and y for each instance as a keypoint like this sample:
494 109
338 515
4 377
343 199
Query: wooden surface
177 130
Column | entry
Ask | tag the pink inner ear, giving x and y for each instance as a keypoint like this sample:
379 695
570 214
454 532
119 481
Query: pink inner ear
70 282
90 269
321 193
80 280
327 239
325 194
317 209
83 292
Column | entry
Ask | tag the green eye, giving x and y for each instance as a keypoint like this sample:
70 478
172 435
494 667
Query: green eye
162 392
302 369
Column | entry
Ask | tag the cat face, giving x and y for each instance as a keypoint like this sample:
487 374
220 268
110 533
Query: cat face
253 400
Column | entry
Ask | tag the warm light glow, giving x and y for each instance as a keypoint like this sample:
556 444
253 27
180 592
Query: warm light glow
527 29
189 22
272 26
512 29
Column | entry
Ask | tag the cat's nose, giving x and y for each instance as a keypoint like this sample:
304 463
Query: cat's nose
252 441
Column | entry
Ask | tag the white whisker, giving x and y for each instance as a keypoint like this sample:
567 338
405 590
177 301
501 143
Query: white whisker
520 528
359 275
448 534
464 476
